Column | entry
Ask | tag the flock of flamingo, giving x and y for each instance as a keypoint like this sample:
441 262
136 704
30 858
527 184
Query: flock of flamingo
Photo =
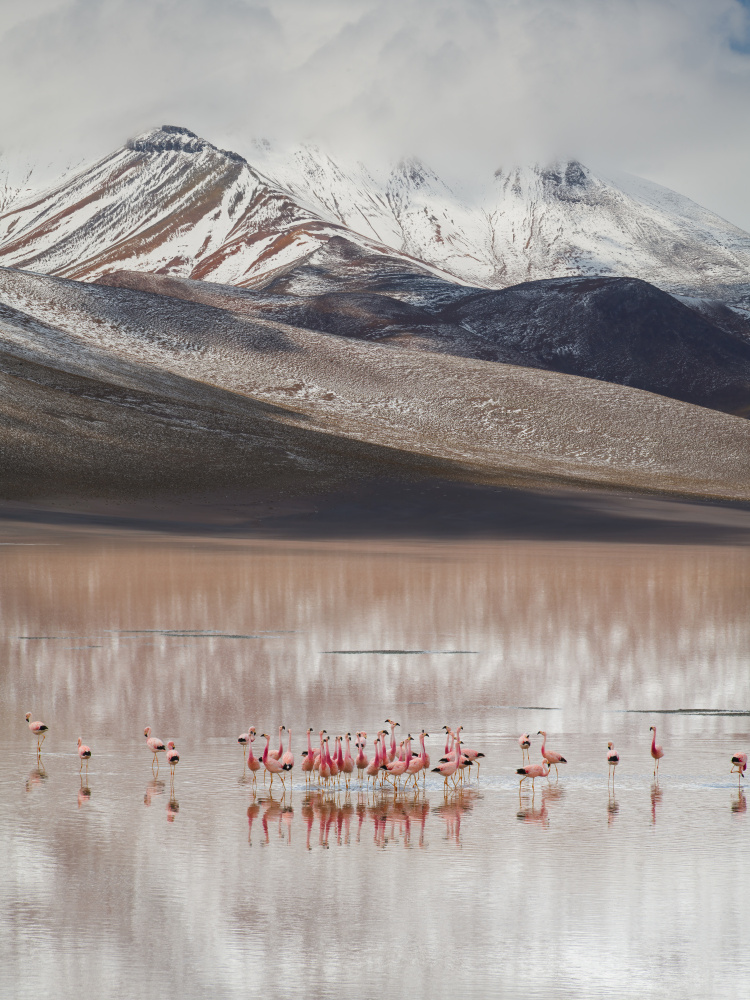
389 764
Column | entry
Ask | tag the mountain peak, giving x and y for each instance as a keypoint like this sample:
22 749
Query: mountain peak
176 139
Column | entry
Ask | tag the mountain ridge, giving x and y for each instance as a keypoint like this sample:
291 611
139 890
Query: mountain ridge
170 202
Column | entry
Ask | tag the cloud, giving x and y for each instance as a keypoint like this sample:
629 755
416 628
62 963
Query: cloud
658 87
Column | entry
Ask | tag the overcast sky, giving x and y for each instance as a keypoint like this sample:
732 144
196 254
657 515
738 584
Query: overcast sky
660 88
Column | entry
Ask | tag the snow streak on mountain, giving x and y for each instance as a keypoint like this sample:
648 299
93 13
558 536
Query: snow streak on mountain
171 203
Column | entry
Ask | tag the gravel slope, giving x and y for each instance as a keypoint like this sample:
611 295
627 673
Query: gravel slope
481 421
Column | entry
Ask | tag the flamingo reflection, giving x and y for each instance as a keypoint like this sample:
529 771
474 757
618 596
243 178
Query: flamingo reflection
173 807
613 808
656 797
153 788
253 811
739 805
36 777
84 794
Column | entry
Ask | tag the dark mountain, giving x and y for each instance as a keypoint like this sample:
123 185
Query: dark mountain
620 330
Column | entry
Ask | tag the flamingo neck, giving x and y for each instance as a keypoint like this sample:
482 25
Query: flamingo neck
265 752
653 741
309 745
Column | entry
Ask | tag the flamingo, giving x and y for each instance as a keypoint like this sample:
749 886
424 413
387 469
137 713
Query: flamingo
36 728
84 753
348 763
278 754
324 770
739 764
552 758
392 752
470 755
245 738
271 764
398 767
371 770
154 745
308 763
173 758
533 771
657 752
613 759
448 768
252 761
524 742
287 761
332 762
362 760
418 763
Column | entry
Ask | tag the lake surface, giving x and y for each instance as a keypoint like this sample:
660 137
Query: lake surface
118 886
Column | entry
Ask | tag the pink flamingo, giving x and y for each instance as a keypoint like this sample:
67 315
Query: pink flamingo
340 756
245 738
348 764
308 762
399 766
533 771
739 764
324 770
524 742
271 764
155 746
373 767
552 758
84 753
362 760
253 763
392 752
278 754
173 758
36 729
419 763
287 761
657 752
332 762
613 759
449 767
470 755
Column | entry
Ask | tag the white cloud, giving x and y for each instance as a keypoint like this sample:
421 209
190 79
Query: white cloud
659 87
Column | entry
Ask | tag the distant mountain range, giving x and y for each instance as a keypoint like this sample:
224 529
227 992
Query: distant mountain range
169 202
174 318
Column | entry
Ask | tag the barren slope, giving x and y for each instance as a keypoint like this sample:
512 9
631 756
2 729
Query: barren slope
484 421
614 329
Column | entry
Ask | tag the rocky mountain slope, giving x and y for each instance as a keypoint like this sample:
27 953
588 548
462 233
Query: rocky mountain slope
110 389
614 329
171 203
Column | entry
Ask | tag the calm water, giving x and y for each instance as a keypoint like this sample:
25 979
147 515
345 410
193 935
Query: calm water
119 887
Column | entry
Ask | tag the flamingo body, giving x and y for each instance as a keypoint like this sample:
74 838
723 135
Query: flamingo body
37 729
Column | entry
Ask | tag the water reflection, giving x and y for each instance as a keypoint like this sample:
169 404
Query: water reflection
84 794
36 777
640 624
155 787
613 808
739 804
239 632
656 797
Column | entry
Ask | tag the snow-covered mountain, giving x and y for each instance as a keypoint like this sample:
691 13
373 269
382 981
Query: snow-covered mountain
168 203
171 203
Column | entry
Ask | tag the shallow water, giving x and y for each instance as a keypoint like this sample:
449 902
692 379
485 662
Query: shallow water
117 886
